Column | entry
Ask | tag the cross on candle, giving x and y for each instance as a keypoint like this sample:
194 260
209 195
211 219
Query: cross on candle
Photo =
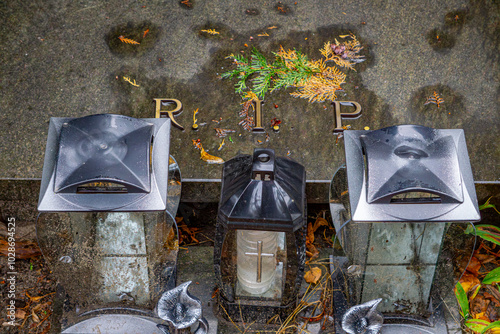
259 255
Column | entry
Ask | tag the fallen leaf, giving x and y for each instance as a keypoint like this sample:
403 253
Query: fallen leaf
474 266
485 258
41 306
20 314
319 222
311 251
469 281
479 305
6 323
313 275
24 249
481 316
493 294
310 234
34 316
492 313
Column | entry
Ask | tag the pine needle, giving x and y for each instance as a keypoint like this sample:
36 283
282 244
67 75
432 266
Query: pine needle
210 31
127 79
127 40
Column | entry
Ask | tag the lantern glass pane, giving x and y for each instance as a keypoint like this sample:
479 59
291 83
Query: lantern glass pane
108 258
406 263
394 261
258 267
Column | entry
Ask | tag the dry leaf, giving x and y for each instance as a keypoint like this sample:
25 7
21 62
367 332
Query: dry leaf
311 251
310 234
478 307
319 222
41 306
469 281
493 294
474 266
24 249
20 314
313 275
34 316
481 316
485 258
7 323
492 313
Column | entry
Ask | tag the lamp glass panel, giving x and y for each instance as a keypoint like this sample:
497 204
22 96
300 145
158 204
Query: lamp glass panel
108 258
259 267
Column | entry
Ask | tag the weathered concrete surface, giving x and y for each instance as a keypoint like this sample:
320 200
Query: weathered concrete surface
62 59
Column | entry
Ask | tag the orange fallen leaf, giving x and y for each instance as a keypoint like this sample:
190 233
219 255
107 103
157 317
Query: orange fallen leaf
24 249
474 266
469 281
319 222
481 316
485 258
310 234
311 251
312 276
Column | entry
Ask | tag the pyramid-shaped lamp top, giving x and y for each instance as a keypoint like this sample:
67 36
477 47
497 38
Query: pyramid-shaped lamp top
388 169
105 147
263 192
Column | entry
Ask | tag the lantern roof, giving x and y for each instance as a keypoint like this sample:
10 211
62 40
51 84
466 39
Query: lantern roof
263 192
410 173
105 162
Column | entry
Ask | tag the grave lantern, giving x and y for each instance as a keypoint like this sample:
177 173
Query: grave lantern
259 251
108 193
391 204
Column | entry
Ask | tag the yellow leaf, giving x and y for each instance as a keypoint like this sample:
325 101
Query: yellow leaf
313 275
319 222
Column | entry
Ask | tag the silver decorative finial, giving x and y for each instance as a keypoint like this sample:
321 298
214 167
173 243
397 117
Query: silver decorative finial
181 310
363 318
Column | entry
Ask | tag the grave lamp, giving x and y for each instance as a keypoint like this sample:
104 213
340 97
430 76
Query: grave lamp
259 251
391 204
108 193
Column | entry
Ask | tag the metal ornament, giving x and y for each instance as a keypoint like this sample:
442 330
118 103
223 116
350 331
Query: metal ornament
169 113
363 318
339 115
258 117
181 310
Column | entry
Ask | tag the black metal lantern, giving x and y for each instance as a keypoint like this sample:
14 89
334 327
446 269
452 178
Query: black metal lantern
259 251
391 205
109 190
